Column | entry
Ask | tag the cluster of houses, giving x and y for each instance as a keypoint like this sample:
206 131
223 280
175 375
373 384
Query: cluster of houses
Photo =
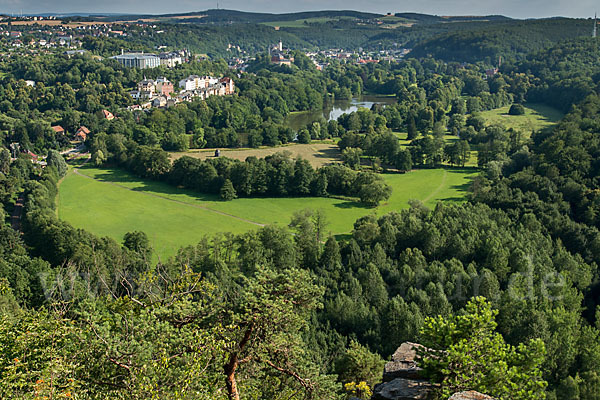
161 92
321 58
17 40
80 135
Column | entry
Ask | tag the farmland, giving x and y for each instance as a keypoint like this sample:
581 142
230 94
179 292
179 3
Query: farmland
111 202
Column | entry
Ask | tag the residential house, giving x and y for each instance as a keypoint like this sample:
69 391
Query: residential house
204 87
59 130
160 101
164 86
64 40
34 157
108 115
146 89
71 53
228 84
207 81
82 134
189 83
170 60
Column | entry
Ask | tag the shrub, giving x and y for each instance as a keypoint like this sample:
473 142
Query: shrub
516 109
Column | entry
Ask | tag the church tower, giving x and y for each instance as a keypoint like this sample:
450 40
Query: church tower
595 32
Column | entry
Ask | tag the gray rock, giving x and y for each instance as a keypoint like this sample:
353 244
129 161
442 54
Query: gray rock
403 364
470 395
402 389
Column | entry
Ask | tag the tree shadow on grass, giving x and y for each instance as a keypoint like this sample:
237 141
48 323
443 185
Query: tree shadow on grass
119 177
352 204
342 236
462 188
332 154
114 175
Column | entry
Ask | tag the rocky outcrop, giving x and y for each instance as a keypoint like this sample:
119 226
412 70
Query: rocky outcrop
402 379
402 389
470 395
403 364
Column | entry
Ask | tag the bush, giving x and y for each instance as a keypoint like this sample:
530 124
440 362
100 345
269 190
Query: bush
516 109
304 136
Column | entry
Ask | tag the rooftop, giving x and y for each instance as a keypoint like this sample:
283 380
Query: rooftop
135 55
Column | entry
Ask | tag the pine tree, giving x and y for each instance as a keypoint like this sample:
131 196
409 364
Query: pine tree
227 191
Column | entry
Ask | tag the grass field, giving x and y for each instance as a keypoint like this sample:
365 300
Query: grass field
318 154
537 116
111 202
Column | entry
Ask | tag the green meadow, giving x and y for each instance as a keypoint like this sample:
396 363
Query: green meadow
536 117
111 202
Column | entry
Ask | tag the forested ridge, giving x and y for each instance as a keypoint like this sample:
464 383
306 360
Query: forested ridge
292 312
460 38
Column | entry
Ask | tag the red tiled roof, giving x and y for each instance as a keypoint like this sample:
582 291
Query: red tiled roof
83 129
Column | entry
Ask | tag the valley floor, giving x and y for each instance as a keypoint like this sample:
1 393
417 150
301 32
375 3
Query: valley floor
112 202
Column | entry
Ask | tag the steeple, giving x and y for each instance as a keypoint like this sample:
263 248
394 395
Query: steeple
595 32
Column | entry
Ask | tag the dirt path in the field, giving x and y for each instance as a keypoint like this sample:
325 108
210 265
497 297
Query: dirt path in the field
76 171
436 191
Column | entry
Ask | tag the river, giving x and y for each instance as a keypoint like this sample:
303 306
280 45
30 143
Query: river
299 120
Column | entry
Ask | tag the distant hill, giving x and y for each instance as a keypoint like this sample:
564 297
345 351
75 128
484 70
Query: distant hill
512 39
233 16
435 19
450 38
218 16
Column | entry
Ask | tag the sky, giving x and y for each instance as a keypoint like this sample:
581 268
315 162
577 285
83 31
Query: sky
511 8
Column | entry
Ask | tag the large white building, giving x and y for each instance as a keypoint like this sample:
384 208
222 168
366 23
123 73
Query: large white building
194 82
138 60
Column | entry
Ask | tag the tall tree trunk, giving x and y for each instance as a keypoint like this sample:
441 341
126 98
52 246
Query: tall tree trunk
230 382
231 366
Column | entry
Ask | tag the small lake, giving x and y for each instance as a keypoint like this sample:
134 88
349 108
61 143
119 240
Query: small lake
299 120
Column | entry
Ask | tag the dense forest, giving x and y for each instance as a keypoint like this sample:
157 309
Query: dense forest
291 312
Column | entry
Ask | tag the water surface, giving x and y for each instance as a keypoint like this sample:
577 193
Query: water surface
299 120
